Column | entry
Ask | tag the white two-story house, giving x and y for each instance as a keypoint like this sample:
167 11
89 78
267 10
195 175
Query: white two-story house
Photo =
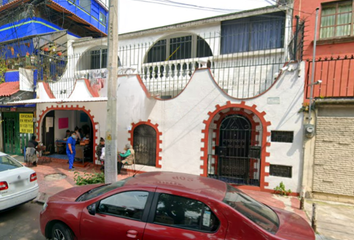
217 97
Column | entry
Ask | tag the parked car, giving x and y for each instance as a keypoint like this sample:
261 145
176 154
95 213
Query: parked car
18 184
163 206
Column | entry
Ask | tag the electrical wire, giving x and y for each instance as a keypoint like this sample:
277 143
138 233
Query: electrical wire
186 5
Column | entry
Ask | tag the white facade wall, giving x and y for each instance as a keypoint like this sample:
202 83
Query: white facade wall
181 121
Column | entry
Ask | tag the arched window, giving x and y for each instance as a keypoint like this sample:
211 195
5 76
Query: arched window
94 58
144 144
180 47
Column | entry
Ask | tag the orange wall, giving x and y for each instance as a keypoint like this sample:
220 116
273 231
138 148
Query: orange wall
306 10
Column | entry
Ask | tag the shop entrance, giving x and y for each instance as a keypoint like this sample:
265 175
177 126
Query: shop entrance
57 123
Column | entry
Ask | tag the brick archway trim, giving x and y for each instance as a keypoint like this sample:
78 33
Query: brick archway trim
254 133
158 141
265 134
72 107
48 90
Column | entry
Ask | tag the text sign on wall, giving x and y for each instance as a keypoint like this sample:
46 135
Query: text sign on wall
26 123
273 100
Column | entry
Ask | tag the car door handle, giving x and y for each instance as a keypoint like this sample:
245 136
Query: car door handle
132 233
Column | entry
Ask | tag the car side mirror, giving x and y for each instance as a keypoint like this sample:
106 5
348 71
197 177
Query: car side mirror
92 209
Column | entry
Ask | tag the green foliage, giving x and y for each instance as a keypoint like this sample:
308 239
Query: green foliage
3 69
88 178
282 190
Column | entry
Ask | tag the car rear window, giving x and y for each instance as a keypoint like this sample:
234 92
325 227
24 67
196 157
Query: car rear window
101 190
255 211
7 163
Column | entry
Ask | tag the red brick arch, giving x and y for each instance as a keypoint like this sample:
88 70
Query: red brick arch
265 134
72 107
158 141
242 112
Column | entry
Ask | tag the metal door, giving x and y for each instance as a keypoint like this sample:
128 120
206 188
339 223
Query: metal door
144 145
11 133
234 160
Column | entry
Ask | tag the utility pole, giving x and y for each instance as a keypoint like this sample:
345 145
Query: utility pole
110 169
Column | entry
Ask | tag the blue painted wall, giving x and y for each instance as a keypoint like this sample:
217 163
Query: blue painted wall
26 27
95 14
92 15
12 76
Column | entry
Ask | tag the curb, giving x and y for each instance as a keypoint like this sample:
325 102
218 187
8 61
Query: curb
41 198
319 237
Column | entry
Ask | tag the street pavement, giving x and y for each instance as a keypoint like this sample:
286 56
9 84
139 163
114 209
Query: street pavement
21 223
335 221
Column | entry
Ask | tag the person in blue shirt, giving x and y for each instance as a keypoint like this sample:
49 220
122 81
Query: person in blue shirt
70 149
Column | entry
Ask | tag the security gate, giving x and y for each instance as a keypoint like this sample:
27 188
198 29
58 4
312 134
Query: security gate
237 153
14 141
144 144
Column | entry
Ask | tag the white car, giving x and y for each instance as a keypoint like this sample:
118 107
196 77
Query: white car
18 184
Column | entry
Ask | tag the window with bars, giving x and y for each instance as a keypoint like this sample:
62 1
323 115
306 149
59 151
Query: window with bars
280 171
337 19
176 48
253 33
282 136
99 59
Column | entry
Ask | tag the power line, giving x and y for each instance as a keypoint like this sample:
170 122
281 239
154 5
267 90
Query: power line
186 5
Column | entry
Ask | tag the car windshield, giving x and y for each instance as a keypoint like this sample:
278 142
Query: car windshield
7 163
257 212
101 190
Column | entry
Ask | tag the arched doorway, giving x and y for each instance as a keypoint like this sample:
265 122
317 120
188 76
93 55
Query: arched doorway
144 144
257 151
54 124
235 150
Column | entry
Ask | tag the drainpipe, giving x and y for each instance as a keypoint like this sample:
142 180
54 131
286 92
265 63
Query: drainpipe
313 67
295 37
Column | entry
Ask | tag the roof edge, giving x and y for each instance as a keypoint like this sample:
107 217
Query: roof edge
202 21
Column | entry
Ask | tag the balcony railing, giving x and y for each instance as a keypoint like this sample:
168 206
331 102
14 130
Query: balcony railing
240 71
336 75
166 66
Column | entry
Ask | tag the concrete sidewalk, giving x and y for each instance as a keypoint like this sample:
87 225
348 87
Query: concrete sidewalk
335 221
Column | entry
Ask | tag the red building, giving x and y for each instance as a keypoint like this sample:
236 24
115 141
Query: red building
328 157
335 45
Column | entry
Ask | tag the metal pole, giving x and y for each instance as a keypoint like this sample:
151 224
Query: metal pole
110 169
313 67
314 218
295 37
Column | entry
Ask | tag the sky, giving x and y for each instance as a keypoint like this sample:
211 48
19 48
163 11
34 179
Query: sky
134 15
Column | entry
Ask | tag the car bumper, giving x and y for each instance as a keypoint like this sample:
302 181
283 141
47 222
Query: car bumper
18 198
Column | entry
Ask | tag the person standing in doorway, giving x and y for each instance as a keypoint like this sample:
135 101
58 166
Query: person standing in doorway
70 149
31 154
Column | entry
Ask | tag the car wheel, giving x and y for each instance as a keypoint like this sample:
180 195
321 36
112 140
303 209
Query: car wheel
61 232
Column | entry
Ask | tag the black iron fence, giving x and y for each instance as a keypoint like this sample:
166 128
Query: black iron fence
243 63
296 45
243 68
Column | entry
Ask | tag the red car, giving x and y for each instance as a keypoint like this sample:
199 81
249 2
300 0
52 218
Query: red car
163 206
